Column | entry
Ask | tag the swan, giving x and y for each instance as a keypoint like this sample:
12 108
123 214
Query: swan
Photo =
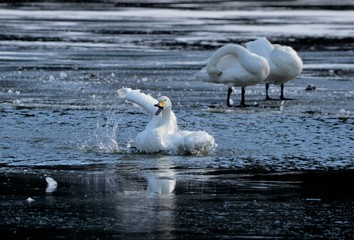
235 66
162 132
285 64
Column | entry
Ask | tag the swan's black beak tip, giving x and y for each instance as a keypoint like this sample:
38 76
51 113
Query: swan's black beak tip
158 110
160 105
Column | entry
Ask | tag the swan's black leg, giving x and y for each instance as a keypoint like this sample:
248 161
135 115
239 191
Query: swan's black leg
282 93
267 94
242 103
229 91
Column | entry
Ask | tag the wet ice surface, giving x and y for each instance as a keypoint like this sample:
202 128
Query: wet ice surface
283 169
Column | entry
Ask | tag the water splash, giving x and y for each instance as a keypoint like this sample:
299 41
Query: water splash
104 136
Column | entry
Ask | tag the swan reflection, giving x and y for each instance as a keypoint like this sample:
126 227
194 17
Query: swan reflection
162 183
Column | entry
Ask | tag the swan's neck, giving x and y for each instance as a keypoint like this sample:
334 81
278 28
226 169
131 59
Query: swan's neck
160 120
221 52
166 115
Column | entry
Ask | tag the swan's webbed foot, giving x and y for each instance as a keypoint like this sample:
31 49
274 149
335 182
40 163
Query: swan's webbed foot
284 98
243 105
269 98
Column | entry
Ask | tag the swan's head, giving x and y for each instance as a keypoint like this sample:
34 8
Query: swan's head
164 103
213 71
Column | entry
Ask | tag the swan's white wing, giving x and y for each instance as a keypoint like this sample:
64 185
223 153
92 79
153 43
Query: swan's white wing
260 46
287 55
286 64
198 143
143 100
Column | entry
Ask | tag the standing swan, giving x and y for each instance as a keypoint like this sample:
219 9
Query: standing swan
162 133
235 66
284 62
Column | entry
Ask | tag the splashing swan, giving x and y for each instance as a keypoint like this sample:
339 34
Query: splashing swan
162 133
235 66
284 62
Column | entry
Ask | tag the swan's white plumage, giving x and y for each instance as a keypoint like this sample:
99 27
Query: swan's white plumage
162 133
234 66
285 64
190 143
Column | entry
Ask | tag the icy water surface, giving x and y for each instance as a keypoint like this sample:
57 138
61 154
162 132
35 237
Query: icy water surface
281 169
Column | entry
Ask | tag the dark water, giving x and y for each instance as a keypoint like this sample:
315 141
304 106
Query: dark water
283 169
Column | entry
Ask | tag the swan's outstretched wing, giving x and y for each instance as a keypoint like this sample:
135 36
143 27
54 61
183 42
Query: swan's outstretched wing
143 100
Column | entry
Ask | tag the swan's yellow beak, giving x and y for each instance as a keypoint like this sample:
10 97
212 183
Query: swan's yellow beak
160 105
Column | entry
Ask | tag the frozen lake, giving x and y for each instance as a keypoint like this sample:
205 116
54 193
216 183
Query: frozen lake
282 169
